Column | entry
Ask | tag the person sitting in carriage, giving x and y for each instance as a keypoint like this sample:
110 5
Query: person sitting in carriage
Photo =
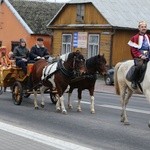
39 51
21 55
140 47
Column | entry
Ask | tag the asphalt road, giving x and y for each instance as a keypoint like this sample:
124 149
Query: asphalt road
31 129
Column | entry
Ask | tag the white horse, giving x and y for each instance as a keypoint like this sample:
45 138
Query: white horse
123 86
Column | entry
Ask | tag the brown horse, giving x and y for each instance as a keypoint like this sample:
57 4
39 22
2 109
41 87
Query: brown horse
56 76
87 81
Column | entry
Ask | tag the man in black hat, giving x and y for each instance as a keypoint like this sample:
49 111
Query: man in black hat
21 54
38 51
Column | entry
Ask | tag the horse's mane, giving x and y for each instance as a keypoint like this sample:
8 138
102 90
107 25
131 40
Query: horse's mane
64 57
90 62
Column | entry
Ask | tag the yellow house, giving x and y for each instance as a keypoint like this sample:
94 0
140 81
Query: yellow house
97 26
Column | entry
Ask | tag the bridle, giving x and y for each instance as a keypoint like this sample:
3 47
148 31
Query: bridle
76 64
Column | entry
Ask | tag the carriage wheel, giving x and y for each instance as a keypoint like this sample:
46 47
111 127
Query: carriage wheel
1 90
53 97
17 93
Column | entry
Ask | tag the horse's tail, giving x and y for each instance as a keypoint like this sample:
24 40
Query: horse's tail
116 78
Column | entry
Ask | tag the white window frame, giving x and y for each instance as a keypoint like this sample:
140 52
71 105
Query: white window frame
93 47
66 46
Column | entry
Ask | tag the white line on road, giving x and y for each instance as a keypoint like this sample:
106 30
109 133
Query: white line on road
47 140
119 108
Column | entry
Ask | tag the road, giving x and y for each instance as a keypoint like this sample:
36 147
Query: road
23 127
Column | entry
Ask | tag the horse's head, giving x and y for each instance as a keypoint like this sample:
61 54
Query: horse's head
101 64
77 62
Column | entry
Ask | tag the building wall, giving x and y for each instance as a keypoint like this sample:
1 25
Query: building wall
120 49
113 42
12 30
92 16
68 16
105 42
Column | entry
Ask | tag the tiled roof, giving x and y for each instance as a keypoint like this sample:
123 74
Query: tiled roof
36 14
121 13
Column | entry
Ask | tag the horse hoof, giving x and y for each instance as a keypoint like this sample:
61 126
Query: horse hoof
64 112
70 107
92 112
126 123
36 108
79 110
122 119
58 110
42 106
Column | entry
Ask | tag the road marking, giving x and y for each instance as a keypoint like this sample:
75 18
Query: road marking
47 140
119 108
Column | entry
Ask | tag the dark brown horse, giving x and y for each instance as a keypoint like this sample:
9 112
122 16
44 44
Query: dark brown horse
56 76
93 65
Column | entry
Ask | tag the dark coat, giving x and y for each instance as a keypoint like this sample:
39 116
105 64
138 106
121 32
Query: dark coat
38 51
20 52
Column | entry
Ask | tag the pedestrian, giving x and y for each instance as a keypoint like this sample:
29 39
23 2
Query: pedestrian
21 54
39 51
140 47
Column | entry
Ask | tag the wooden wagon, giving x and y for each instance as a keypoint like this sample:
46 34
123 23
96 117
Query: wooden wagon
13 77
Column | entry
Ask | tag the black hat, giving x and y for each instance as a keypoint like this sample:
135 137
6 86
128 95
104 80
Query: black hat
40 39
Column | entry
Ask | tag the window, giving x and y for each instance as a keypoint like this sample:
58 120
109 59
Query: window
66 43
80 13
14 44
93 45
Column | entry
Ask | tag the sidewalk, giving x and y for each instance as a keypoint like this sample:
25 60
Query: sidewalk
100 86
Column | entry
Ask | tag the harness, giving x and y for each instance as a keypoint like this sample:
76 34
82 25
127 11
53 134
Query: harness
60 67
64 71
89 76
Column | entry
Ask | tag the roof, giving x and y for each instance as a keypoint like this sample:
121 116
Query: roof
36 14
121 13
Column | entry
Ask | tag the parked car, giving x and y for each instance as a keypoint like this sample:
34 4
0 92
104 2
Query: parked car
109 78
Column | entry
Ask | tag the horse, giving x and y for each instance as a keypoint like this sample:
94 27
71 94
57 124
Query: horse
87 81
123 86
56 76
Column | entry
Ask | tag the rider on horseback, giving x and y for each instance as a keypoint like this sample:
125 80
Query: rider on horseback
140 47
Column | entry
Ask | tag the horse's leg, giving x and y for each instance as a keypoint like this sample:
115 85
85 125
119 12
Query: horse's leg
58 103
122 94
35 99
127 97
42 89
92 100
64 111
79 101
69 101
125 93
147 94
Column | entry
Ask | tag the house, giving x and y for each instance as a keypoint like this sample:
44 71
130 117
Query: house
98 26
25 19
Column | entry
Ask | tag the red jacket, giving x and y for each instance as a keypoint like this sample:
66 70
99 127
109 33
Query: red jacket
136 43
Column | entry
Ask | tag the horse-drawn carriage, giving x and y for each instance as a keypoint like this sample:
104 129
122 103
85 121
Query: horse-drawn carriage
53 78
13 77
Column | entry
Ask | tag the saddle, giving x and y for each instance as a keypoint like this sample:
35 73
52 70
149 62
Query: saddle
131 75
